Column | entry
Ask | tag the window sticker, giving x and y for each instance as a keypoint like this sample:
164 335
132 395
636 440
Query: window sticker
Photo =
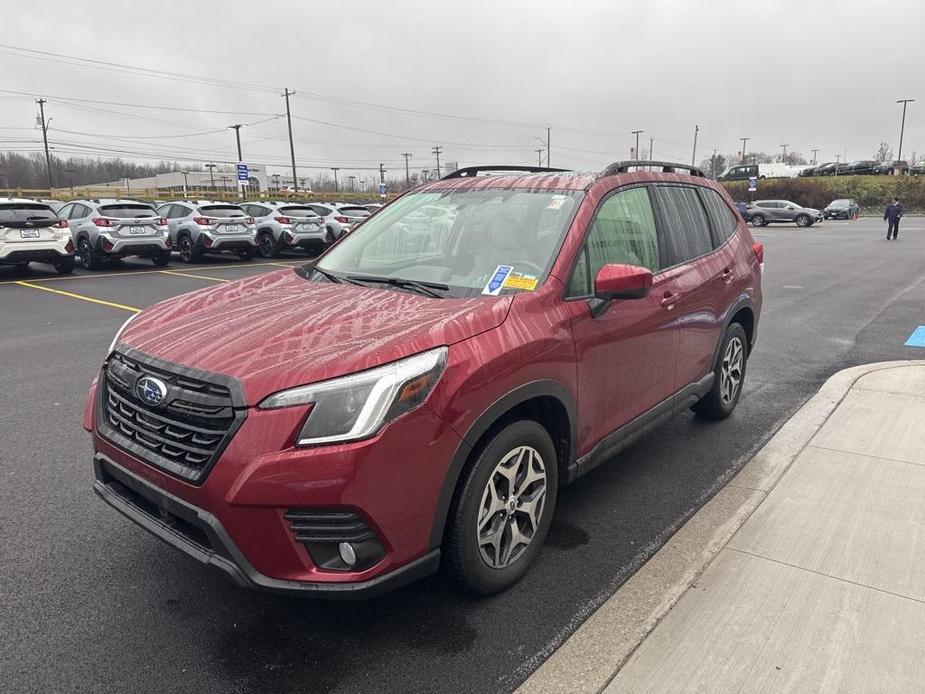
556 202
495 284
518 280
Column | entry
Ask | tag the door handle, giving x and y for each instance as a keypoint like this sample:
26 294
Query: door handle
727 275
669 299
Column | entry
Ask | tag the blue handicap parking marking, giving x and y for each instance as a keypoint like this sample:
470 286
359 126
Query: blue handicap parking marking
917 338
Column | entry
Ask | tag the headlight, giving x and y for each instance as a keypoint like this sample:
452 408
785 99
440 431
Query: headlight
356 406
112 345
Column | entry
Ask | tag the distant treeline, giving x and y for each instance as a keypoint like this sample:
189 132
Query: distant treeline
28 171
872 193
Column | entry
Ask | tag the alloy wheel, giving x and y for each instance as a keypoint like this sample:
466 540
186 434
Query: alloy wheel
512 506
186 249
731 371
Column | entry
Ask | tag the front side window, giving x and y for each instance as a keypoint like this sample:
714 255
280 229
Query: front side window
458 238
685 228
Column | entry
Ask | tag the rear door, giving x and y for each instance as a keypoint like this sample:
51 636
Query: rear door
687 245
626 355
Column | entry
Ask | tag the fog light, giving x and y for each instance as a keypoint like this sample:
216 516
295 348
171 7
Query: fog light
347 553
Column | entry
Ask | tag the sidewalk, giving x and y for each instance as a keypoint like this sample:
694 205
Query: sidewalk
806 573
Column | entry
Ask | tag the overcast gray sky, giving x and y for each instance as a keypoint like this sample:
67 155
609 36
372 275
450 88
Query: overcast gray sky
807 73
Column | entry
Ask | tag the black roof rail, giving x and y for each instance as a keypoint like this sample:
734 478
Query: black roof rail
619 167
468 171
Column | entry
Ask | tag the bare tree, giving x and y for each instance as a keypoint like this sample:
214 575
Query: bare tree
884 152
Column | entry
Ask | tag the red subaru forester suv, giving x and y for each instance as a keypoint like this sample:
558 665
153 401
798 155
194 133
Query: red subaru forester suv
417 395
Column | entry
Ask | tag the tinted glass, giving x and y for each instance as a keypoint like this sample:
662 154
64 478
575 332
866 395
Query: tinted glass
580 284
127 211
80 211
65 211
223 211
355 211
685 228
459 237
722 219
298 211
623 232
25 211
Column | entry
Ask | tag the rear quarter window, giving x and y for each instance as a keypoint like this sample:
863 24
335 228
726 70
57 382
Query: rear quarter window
723 221
684 226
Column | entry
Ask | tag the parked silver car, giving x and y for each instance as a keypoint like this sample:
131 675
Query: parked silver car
339 218
287 225
198 227
31 232
763 212
107 229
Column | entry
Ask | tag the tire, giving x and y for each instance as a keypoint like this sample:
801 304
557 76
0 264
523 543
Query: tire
89 258
758 220
189 251
65 266
803 220
733 356
329 238
483 493
247 253
161 259
267 246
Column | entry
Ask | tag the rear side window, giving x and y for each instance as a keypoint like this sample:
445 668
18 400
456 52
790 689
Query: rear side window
685 228
722 219
127 211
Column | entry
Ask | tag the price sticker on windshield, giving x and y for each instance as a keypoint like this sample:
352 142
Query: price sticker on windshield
495 284
518 280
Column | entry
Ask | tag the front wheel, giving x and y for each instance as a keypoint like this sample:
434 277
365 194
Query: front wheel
502 509
728 376
803 221
758 220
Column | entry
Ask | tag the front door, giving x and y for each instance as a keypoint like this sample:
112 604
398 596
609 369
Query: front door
626 354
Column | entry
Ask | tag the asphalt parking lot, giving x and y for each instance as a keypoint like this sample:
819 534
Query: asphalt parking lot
89 602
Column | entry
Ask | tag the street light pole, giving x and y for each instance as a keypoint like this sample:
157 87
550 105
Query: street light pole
237 135
783 156
902 128
744 142
211 168
694 153
837 162
41 103
815 152
636 151
335 169
185 184
539 156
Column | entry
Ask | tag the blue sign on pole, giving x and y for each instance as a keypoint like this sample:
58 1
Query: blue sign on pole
382 189
752 184
243 173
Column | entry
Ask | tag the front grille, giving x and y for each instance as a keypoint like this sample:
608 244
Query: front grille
327 526
184 435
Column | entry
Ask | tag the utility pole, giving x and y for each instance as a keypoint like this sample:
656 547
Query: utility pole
815 152
41 103
713 164
436 150
211 168
539 156
902 128
548 146
694 153
295 181
70 179
837 162
237 135
335 169
783 156
636 151
381 173
407 156
744 142
185 184
651 147
353 183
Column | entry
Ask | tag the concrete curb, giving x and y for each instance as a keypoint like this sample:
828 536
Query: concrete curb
595 652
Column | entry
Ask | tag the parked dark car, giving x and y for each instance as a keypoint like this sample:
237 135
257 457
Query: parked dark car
890 168
864 167
827 169
841 209
917 169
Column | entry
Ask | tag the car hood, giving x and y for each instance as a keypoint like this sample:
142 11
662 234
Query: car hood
279 330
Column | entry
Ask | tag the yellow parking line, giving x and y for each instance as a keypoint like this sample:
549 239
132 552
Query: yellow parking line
136 272
132 309
198 277
281 264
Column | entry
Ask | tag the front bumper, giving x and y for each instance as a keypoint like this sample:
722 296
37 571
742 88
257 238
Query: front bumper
199 534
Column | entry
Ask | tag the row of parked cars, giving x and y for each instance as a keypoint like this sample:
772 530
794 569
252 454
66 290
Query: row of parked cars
760 213
864 167
95 231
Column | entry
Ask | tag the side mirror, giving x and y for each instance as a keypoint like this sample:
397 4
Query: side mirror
622 282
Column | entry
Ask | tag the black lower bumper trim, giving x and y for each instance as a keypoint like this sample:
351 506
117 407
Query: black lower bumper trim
200 535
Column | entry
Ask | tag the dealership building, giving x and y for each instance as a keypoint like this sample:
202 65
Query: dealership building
181 181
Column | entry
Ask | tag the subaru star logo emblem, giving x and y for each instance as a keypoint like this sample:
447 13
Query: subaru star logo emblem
151 391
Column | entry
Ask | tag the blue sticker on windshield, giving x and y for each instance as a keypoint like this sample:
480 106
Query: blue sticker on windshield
496 283
917 338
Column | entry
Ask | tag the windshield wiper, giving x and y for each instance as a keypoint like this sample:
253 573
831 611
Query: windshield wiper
328 275
426 288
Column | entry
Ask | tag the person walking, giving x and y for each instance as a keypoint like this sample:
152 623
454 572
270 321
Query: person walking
892 214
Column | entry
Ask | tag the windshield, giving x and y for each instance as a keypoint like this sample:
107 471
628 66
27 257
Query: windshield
296 211
222 211
127 211
25 211
460 238
840 203
355 211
